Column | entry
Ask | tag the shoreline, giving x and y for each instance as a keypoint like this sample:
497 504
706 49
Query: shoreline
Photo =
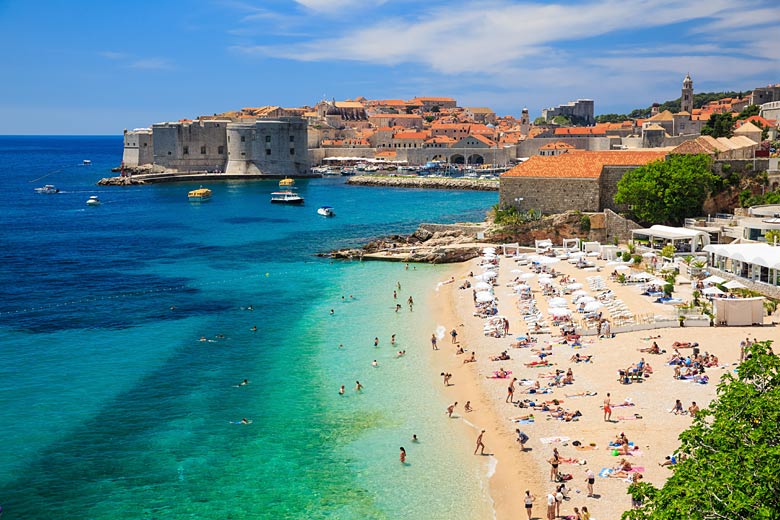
439 183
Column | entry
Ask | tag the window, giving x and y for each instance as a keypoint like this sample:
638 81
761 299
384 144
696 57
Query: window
292 151
268 151
243 153
186 150
243 138
268 139
145 144
292 138
220 150
203 150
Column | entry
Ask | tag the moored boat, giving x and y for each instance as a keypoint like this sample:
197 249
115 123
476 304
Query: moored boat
200 195
286 197
93 201
287 183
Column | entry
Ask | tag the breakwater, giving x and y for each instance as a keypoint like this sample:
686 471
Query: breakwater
442 183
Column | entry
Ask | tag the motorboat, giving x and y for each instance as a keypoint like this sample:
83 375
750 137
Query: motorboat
48 189
286 197
86 162
326 211
286 183
200 195
347 172
331 172
93 200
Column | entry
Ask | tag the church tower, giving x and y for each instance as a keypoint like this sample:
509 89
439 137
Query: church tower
525 122
686 99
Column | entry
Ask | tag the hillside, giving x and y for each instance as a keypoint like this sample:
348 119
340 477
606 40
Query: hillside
699 100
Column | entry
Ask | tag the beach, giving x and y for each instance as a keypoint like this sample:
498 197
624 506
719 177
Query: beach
646 419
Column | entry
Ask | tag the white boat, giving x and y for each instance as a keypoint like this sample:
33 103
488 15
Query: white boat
86 162
331 172
286 197
48 189
326 211
93 201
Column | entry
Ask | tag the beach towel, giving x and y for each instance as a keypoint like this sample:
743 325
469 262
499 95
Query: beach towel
497 376
524 421
605 472
538 365
617 445
637 469
550 440
586 394
633 453
634 417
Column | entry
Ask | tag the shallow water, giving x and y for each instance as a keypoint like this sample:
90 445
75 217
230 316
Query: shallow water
111 406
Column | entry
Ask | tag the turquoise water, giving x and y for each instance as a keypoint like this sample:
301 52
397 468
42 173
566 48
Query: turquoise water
110 405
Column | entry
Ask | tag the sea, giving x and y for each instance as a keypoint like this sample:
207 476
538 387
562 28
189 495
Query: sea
127 328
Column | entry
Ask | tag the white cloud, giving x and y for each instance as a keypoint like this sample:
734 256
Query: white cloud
150 64
333 6
110 55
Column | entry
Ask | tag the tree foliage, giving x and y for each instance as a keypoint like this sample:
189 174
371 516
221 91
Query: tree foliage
719 125
668 191
732 448
699 100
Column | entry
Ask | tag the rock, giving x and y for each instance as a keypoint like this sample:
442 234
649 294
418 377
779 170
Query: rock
445 183
119 181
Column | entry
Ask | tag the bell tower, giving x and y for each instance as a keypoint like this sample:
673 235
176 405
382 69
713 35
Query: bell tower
525 122
686 99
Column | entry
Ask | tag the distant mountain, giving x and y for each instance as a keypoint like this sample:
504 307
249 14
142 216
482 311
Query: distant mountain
699 100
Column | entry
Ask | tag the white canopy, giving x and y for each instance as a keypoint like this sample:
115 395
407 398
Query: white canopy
709 291
527 276
487 275
592 306
545 281
579 292
758 254
482 286
484 297
649 254
733 284
713 279
558 311
642 276
557 302
622 267
585 299
574 286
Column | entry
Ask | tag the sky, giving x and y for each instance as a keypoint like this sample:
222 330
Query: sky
98 67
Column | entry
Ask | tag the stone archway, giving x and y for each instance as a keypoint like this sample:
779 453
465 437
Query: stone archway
439 157
476 159
457 159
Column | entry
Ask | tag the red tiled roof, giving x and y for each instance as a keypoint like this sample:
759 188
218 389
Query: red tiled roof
410 135
558 145
580 164
580 130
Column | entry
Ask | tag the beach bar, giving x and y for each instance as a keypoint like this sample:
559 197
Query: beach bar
684 240
754 262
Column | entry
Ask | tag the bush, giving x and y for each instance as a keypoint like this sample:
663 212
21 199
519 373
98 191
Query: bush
637 259
585 224
668 289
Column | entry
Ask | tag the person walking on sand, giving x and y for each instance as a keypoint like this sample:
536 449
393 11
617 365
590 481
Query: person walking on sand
510 391
446 376
522 438
392 339
451 408
403 455
454 335
554 461
590 478
585 513
395 295
480 444
434 342
550 506
607 408
529 503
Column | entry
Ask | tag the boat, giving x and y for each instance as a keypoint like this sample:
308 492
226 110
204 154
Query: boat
93 201
286 183
200 195
331 172
326 211
348 172
86 162
286 197
48 189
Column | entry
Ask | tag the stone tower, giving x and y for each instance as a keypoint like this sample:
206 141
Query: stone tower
686 99
525 122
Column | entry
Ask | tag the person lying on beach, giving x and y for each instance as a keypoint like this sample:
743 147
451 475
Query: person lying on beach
582 394
670 460
635 477
460 350
684 344
529 417
651 337
501 357
652 349
471 359
577 358
623 465
538 364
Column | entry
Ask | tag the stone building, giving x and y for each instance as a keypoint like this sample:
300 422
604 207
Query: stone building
766 94
577 180
580 112
275 147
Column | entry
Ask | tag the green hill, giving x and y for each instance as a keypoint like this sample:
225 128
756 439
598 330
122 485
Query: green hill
699 100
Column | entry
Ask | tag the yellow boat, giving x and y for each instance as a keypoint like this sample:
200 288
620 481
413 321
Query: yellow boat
200 195
287 183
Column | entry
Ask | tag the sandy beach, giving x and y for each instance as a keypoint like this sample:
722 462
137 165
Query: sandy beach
648 423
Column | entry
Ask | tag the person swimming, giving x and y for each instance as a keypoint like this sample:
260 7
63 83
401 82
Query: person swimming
244 382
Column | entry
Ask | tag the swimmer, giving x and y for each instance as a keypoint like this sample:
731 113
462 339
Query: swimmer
254 328
203 338
403 455
341 345
414 438
250 308
173 307
397 307
395 295
341 390
332 312
376 342
400 353
392 339
358 386
245 421
374 363
244 382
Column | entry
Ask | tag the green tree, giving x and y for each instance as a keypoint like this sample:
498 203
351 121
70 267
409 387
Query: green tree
668 191
730 470
772 235
667 251
719 125
540 121
561 120
750 110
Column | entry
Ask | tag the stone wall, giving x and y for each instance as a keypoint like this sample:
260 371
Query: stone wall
773 291
610 176
444 183
550 195
617 227
190 146
275 147
500 156
530 147
138 148
316 155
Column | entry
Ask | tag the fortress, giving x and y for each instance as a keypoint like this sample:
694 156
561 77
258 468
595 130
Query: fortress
261 147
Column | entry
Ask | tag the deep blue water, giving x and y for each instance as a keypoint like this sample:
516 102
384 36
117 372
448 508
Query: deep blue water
111 407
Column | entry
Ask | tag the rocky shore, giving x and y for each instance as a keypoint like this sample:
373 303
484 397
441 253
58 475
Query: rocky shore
120 181
423 246
442 183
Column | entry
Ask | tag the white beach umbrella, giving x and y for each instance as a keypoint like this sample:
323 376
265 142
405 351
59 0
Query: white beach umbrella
592 306
517 271
713 279
642 276
482 286
488 275
733 284
559 312
622 267
574 286
489 250
709 291
484 297
543 280
557 302
522 287
546 260
579 292
648 254
577 254
585 299
527 276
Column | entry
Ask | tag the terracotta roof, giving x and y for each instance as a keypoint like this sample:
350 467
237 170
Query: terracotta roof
662 116
443 139
580 130
580 164
683 113
391 102
433 99
410 135
654 126
480 110
349 104
558 145
483 139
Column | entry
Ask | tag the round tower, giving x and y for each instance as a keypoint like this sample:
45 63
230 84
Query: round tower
686 98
